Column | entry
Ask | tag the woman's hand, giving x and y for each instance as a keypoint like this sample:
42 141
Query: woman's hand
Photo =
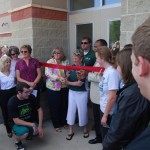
65 81
67 74
104 120
100 73
61 79
32 84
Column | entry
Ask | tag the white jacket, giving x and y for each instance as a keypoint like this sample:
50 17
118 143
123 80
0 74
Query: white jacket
94 78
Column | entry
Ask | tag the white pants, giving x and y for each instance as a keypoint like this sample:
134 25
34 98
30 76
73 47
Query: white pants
77 101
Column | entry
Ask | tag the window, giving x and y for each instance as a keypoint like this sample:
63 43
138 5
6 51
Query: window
83 4
114 32
107 2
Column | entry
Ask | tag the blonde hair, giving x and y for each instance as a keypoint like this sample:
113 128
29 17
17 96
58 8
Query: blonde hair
63 57
3 60
79 53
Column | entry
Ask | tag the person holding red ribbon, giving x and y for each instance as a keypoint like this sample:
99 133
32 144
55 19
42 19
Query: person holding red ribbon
57 91
78 97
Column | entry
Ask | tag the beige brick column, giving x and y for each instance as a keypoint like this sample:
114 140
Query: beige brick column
133 13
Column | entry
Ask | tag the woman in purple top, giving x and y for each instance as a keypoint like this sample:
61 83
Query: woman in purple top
28 69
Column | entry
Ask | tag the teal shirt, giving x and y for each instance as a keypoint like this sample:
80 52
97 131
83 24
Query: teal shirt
89 59
73 78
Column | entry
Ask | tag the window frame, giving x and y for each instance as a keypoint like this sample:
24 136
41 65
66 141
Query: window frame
110 5
108 29
69 8
101 6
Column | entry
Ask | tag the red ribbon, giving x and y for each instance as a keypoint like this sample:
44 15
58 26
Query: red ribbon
87 68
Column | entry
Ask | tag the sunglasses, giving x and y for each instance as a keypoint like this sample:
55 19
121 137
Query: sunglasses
13 54
24 51
84 42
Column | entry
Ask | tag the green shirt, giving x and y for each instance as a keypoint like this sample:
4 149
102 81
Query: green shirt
89 59
73 78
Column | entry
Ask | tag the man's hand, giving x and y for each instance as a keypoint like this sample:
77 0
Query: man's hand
35 129
40 131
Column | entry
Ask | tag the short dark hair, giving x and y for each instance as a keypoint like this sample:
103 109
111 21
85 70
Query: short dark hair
87 38
28 47
13 48
102 41
127 46
124 61
20 86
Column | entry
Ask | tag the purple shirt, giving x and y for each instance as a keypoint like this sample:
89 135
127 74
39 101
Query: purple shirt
28 73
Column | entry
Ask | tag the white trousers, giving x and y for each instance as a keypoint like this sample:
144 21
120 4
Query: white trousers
77 101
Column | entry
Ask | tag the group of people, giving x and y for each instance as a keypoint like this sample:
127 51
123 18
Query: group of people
67 91
19 77
120 95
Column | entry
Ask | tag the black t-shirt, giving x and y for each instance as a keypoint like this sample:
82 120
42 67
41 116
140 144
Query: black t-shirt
141 142
22 109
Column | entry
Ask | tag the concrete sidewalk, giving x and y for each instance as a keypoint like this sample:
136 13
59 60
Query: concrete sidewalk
52 140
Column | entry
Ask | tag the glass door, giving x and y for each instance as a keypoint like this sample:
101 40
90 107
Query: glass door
83 30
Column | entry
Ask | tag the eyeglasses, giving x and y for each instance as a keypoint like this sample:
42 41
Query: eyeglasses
24 51
56 53
84 42
13 54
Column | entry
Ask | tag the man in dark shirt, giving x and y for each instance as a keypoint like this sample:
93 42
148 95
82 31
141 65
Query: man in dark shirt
22 109
141 70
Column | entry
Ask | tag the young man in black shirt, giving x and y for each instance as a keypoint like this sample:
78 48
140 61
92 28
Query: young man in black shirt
22 109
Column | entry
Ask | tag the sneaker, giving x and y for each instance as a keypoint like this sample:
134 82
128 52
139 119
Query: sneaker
19 146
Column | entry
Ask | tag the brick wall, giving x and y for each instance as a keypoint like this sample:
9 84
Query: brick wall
42 28
133 13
